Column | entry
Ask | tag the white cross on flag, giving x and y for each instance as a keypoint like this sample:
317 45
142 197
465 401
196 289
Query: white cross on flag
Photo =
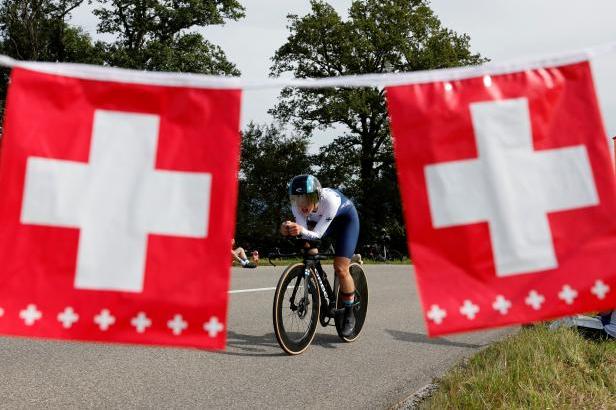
509 196
117 208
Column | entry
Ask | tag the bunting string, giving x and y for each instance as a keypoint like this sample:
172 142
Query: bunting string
103 73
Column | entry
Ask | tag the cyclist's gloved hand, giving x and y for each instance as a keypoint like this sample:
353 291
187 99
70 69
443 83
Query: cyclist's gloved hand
284 228
289 228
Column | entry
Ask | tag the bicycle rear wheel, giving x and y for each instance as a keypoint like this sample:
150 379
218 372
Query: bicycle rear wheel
296 309
361 303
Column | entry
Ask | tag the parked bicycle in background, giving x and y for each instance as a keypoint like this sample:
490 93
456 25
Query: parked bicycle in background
381 251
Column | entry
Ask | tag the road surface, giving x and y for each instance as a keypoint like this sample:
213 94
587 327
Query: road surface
392 359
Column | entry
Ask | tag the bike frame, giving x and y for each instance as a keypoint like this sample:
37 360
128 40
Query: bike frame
312 263
312 277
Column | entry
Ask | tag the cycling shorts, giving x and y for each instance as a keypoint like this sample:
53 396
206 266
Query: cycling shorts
345 230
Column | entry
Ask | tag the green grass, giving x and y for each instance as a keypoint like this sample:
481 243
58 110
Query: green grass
288 261
535 368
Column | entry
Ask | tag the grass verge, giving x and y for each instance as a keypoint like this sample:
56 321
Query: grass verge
536 368
289 261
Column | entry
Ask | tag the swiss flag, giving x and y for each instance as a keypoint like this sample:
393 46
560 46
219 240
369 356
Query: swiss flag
509 196
117 207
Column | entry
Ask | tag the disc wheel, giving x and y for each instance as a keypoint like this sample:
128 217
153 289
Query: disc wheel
361 303
296 309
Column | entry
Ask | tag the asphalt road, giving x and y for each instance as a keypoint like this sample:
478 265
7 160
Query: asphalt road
392 359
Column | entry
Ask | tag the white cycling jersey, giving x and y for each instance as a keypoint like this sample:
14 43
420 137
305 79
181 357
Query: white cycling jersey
330 203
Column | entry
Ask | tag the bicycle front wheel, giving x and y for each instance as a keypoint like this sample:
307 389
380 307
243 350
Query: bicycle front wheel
361 303
296 309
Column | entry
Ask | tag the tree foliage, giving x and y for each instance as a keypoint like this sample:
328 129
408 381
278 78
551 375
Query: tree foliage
154 34
379 36
150 34
38 30
269 159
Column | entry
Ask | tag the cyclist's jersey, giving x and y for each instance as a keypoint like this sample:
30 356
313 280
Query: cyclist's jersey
331 204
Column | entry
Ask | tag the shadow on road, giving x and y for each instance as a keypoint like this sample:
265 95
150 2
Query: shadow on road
251 345
261 346
421 338
327 341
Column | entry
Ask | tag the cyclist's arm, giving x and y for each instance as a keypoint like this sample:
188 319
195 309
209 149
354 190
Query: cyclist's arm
330 209
300 219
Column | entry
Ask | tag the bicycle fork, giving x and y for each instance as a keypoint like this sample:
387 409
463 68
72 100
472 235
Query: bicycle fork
306 294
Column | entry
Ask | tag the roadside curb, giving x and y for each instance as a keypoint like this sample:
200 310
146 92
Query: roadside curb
413 401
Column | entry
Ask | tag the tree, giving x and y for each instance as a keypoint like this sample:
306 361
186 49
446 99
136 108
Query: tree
37 30
379 36
152 34
269 159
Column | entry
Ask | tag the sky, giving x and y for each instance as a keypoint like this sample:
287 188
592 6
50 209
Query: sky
501 30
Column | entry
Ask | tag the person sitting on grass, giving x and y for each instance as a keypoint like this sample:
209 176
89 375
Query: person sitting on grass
240 256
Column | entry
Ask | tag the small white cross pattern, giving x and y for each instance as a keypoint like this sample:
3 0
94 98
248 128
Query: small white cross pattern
600 289
501 305
534 299
141 322
568 294
436 314
68 317
469 309
30 315
177 325
1 312
104 319
213 326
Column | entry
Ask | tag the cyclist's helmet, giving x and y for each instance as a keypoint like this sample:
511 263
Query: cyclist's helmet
305 185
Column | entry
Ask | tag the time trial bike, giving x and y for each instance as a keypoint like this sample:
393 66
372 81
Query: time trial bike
304 298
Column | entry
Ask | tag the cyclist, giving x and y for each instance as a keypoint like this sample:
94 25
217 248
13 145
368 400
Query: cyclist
331 214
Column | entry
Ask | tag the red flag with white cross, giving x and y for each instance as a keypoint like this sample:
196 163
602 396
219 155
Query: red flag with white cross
509 196
117 207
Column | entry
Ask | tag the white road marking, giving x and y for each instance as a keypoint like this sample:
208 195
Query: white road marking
257 290
251 290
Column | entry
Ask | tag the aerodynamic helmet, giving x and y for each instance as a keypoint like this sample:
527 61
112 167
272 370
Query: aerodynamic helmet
305 185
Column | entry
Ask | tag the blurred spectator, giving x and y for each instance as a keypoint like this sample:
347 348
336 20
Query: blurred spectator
240 256
255 257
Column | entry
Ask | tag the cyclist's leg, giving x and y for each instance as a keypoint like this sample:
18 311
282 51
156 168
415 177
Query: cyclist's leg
341 267
346 233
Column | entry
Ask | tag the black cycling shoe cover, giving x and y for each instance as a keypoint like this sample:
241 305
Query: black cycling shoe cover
349 321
